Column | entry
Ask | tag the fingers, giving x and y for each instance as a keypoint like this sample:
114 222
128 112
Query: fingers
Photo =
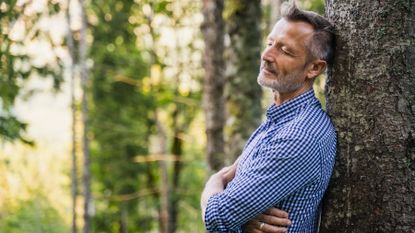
253 227
270 219
275 221
273 229
276 212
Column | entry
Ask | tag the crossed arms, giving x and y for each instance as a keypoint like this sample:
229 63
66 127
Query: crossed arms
275 220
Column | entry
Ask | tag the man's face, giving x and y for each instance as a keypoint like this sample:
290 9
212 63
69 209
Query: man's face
284 61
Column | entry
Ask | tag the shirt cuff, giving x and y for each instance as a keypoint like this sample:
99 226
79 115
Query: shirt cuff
213 222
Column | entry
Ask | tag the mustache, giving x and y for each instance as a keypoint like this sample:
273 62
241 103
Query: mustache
268 65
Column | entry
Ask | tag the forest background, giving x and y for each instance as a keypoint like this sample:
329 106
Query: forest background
141 123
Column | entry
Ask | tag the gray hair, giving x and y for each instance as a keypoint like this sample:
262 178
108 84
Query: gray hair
323 42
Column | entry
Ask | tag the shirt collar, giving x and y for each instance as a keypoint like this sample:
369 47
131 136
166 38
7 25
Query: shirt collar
290 108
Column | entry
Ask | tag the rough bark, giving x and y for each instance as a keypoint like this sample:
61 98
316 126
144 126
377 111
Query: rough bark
86 177
371 100
213 85
243 94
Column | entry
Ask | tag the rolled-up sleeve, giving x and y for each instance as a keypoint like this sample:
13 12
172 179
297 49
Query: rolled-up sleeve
275 171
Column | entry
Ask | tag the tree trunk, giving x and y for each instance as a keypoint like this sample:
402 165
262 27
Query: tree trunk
177 150
84 80
124 218
371 100
243 94
158 147
74 170
214 66
164 191
155 193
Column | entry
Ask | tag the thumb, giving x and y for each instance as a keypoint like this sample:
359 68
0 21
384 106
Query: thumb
229 174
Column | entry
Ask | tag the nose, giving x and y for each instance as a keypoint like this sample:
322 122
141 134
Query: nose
268 54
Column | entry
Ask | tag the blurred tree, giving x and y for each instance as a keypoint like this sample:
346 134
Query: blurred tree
21 33
174 71
142 86
121 106
371 101
74 161
243 94
214 82
83 71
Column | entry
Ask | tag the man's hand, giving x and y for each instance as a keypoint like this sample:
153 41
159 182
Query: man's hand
216 184
272 220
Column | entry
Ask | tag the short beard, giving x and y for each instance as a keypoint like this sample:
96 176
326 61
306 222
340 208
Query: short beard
282 85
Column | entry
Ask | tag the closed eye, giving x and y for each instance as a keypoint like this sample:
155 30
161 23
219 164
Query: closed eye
285 51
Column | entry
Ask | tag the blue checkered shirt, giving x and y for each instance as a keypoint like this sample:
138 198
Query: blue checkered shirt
286 163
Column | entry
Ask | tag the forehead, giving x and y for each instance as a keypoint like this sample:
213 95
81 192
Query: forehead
295 33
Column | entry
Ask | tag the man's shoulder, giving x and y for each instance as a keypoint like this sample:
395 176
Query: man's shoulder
312 121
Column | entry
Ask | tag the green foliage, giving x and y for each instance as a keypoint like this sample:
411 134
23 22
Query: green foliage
16 64
313 5
129 85
33 216
11 128
120 110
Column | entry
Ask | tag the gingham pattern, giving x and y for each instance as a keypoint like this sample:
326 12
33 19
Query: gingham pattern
287 163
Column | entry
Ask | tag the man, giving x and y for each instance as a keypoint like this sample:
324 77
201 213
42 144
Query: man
288 160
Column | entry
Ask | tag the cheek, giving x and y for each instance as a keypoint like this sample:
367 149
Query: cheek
285 66
289 65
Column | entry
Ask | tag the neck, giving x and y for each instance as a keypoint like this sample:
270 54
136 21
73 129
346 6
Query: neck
280 98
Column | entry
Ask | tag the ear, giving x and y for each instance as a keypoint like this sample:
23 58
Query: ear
315 68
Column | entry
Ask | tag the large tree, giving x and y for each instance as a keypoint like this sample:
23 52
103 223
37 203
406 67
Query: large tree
371 100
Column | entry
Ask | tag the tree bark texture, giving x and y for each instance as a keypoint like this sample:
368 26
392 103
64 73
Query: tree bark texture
213 86
243 94
371 100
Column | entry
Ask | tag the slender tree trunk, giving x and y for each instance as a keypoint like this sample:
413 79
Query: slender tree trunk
177 151
84 80
124 218
371 100
151 184
74 170
161 143
243 94
213 85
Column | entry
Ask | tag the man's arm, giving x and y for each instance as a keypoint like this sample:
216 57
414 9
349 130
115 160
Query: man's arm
279 169
216 184
272 220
